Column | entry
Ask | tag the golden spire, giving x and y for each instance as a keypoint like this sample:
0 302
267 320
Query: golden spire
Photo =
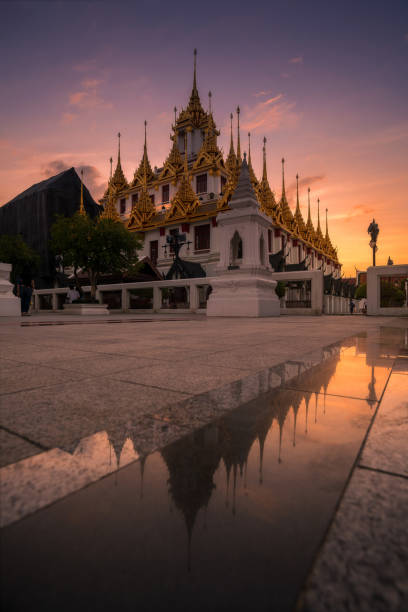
319 234
144 166
298 218
283 203
185 202
239 158
110 211
311 234
118 180
81 203
231 161
327 242
265 194
194 115
252 175
174 162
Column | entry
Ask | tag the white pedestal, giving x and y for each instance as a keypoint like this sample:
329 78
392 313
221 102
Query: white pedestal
9 304
86 309
243 295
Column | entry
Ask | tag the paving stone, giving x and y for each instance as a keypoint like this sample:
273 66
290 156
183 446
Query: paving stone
13 448
363 564
387 444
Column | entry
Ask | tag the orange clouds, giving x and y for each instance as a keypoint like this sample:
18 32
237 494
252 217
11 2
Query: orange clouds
89 96
296 60
270 115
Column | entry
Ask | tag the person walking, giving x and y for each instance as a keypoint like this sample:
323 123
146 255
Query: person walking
351 305
26 292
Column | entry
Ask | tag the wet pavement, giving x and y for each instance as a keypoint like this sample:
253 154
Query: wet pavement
230 499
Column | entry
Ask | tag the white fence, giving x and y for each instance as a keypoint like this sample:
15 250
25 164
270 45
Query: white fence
188 295
334 304
377 274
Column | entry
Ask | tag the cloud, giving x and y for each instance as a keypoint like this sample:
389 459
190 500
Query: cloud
258 94
85 66
296 60
358 210
306 181
89 96
67 118
270 115
92 176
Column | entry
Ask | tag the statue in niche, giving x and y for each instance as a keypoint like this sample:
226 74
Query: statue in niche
236 251
262 250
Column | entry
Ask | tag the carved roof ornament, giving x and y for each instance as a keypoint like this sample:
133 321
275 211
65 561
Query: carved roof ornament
283 202
265 194
244 195
327 242
144 167
173 165
143 210
82 210
310 230
299 224
231 161
110 211
185 202
254 180
194 115
210 155
118 180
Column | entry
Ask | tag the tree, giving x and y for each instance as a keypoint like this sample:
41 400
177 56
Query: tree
24 259
99 246
280 289
361 292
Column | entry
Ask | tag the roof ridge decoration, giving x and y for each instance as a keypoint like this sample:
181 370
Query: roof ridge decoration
244 195
319 234
210 155
118 180
265 194
110 212
173 165
283 202
144 167
310 230
252 174
143 210
194 115
231 162
185 203
299 223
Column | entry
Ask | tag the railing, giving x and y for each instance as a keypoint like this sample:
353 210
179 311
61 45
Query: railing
335 304
303 292
183 295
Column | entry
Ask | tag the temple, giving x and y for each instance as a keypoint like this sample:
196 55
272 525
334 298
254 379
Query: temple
195 184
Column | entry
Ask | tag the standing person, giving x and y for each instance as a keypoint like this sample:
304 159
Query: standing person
351 305
72 294
26 293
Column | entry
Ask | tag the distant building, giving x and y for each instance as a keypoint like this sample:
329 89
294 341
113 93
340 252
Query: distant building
194 185
33 211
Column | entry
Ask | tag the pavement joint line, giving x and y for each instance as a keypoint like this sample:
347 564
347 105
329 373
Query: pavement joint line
133 382
25 438
380 471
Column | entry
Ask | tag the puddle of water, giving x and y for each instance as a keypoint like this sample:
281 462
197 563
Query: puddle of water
226 518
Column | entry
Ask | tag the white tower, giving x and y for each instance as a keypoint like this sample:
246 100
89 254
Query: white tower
244 285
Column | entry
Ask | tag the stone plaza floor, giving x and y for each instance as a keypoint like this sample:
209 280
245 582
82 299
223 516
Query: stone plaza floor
175 461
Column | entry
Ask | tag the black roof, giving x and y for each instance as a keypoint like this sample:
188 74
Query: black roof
185 269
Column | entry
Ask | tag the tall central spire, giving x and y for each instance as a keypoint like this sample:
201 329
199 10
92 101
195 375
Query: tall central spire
299 223
119 181
195 71
264 192
285 209
283 179
144 166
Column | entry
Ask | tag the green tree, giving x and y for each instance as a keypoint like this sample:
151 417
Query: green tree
280 289
24 259
361 292
99 246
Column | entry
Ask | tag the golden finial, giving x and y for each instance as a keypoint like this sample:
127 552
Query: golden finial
297 192
249 146
81 203
327 226
195 70
111 161
232 140
238 139
264 173
283 178
119 146
209 102
309 217
175 115
318 214
145 124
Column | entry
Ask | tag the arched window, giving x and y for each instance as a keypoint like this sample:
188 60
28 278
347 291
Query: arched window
236 248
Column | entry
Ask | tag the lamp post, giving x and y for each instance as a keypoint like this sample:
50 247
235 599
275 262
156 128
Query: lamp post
373 230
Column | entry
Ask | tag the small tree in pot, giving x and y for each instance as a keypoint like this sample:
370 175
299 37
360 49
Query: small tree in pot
98 246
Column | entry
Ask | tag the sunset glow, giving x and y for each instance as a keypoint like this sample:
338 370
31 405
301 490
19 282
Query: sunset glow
324 82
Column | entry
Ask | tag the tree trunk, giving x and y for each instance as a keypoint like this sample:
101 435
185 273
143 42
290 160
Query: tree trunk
93 277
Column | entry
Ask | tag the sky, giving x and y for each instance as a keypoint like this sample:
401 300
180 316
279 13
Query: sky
325 82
